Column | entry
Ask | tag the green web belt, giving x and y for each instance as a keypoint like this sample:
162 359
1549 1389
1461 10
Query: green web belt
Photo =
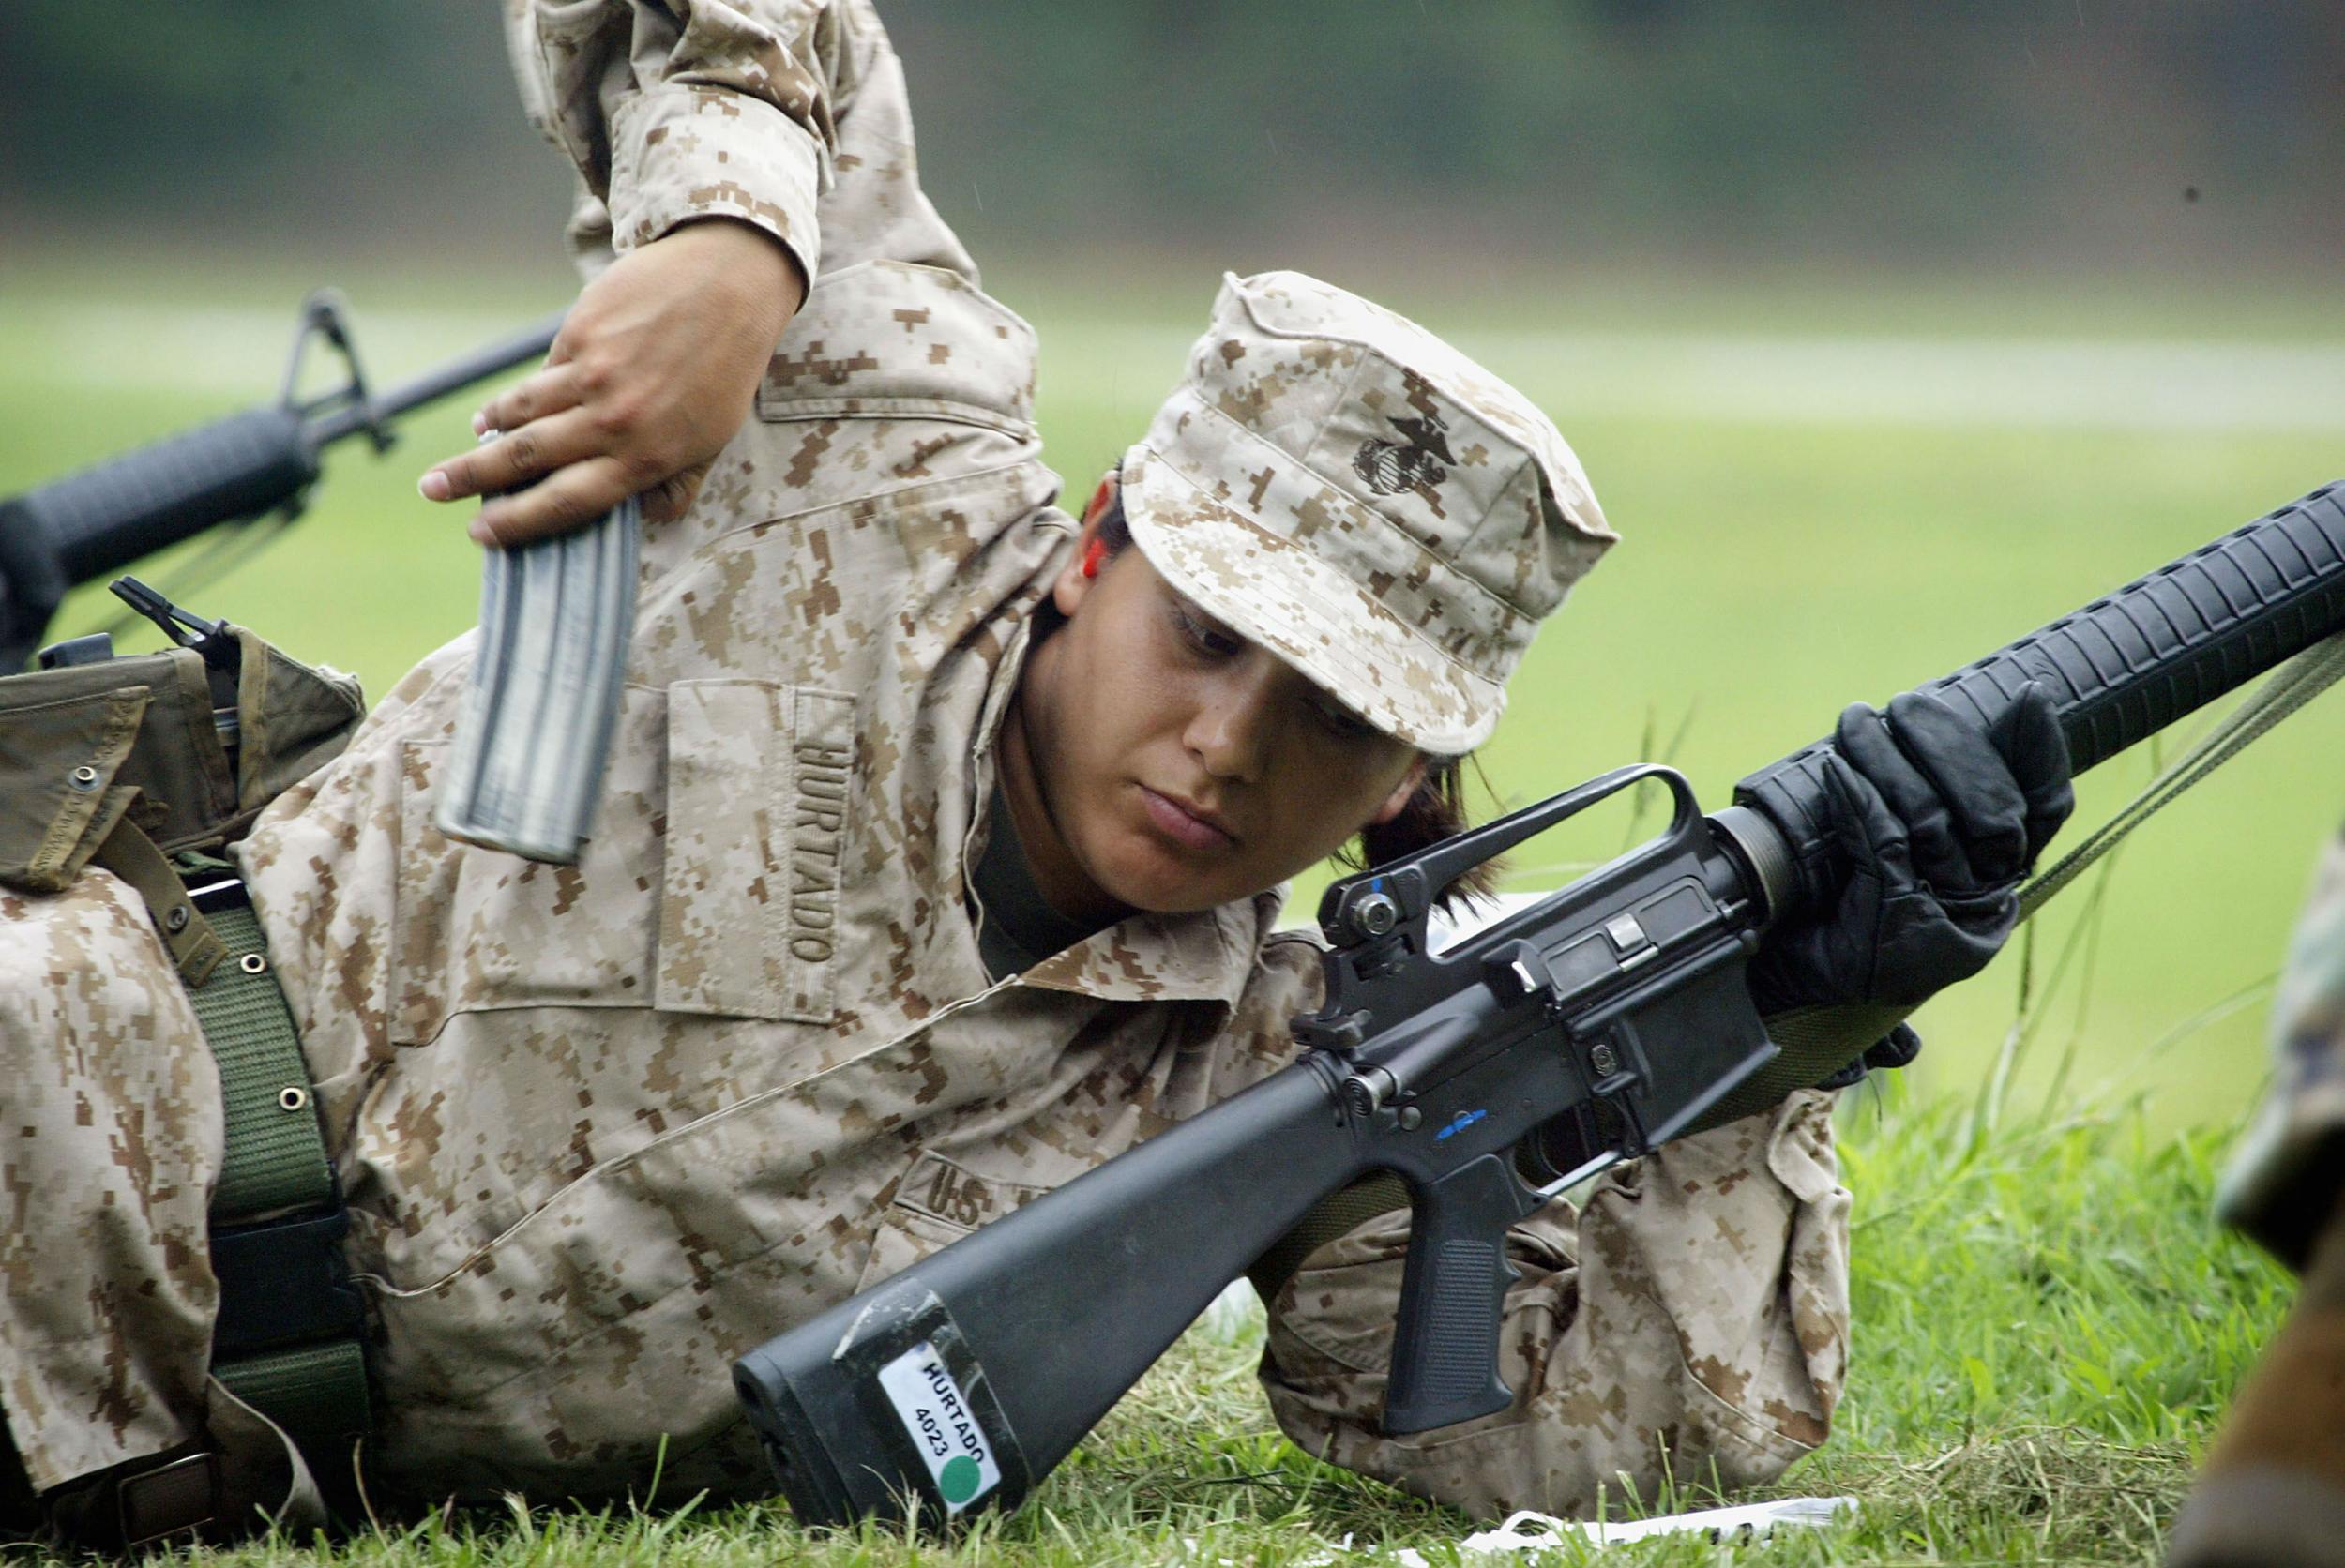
275 1167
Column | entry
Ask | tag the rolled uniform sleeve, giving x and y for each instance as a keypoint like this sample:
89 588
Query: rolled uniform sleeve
1690 1319
677 111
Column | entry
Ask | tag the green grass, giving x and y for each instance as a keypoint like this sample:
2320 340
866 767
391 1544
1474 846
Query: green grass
2046 1321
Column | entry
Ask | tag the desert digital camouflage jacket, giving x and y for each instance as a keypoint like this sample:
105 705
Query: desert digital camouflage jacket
789 114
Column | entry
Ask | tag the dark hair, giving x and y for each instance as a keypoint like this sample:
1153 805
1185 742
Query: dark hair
1115 529
1437 810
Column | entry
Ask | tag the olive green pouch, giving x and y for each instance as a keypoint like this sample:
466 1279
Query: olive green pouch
121 762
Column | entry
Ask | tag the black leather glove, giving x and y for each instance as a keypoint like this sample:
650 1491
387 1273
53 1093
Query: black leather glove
1936 821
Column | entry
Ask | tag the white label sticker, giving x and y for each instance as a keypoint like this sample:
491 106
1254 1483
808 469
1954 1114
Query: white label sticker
930 1404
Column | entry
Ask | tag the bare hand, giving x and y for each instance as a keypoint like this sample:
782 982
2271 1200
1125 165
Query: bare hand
651 375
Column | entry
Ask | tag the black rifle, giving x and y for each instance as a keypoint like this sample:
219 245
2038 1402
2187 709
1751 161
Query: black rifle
263 460
1598 1024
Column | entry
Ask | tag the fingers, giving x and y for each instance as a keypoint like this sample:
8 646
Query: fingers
1879 858
1865 741
671 497
1977 807
1867 827
519 457
1985 807
526 413
571 498
549 391
2030 738
652 375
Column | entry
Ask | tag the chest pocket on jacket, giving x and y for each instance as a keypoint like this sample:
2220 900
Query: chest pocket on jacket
760 816
713 882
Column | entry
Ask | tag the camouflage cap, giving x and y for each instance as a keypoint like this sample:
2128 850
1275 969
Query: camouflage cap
1343 488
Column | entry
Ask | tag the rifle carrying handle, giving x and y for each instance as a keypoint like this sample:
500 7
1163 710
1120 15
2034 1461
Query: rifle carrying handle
104 518
1453 1289
2127 665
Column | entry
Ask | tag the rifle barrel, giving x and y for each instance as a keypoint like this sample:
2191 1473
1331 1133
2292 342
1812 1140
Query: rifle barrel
105 516
2129 664
91 523
529 343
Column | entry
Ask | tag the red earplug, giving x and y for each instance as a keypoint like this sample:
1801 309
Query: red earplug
1094 553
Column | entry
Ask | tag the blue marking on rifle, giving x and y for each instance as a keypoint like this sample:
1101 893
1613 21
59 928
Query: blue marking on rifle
1458 1124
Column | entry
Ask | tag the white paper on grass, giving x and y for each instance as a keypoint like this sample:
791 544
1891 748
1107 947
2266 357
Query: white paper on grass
1527 1532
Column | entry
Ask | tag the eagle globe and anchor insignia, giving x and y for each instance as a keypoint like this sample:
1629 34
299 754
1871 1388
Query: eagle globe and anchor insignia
1416 462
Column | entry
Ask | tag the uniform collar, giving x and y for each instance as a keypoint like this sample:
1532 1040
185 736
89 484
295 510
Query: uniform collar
1204 956
1007 673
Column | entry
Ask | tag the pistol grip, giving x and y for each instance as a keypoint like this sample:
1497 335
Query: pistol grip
1444 1349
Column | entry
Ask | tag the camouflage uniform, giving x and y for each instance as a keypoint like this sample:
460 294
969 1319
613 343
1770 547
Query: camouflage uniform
787 114
601 1128
2284 1181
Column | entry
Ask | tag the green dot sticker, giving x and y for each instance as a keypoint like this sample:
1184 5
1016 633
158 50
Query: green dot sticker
958 1479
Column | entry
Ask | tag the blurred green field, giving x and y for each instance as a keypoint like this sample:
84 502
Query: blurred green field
1826 491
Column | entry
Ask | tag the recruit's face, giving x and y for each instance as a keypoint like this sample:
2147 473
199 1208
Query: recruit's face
1177 764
